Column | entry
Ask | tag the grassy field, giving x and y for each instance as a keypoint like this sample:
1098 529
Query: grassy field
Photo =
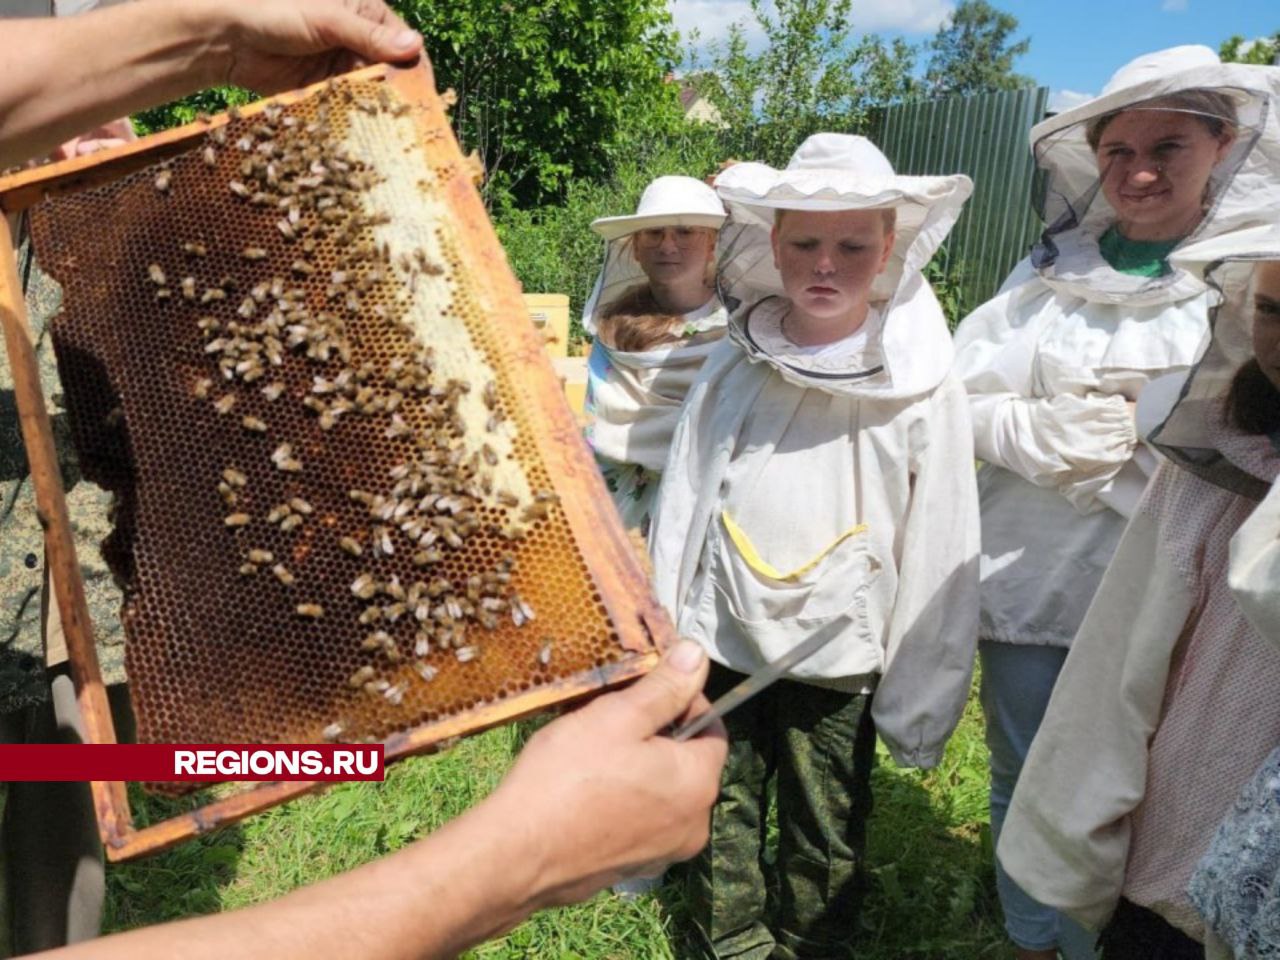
930 852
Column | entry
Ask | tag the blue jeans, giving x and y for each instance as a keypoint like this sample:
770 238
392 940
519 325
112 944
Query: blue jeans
1017 680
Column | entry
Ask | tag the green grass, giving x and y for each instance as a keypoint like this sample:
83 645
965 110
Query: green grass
930 854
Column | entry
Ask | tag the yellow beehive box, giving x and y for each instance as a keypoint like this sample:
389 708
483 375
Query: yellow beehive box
550 314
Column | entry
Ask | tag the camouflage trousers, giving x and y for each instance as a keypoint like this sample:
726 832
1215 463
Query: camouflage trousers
816 747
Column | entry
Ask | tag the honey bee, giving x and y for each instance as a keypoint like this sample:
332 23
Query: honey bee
212 294
312 611
278 513
544 654
426 671
162 180
466 654
332 732
247 569
156 273
238 188
224 403
521 612
290 522
376 640
210 156
188 286
364 586
361 677
301 506
260 556
193 248
370 615
253 424
284 576
237 519
351 546
234 477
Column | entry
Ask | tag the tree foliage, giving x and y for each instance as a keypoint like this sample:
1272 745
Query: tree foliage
812 73
543 86
1263 51
974 52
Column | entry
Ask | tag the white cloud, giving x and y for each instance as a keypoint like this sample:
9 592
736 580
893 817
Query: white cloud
712 18
1060 100
1173 6
909 16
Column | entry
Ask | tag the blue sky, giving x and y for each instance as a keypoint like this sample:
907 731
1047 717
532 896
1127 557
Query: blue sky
1075 46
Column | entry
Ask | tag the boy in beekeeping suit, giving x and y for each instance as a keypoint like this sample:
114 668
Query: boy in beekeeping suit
821 480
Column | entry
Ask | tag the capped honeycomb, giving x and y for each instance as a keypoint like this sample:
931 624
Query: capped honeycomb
334 518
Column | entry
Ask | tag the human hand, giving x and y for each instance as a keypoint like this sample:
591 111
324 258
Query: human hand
111 134
603 794
274 45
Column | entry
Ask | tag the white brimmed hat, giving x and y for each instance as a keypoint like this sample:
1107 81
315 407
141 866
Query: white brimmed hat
834 171
667 202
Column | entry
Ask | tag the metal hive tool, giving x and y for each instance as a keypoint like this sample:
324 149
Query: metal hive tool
352 502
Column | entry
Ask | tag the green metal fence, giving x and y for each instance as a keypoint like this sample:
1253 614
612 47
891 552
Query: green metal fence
986 137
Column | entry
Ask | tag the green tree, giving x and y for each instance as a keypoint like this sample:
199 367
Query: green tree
543 87
974 53
811 74
1263 51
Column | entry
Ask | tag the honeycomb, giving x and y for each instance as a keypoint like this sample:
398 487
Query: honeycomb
334 520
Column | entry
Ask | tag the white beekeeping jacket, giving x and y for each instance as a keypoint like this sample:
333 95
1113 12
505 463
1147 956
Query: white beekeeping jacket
831 490
1054 360
1255 567
1166 703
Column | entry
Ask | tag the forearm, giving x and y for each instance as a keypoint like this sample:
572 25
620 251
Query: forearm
933 630
66 75
473 879
1054 442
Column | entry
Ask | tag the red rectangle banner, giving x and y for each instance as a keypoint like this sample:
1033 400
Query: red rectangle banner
191 762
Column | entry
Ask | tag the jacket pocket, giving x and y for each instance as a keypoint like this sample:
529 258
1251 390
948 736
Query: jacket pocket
776 609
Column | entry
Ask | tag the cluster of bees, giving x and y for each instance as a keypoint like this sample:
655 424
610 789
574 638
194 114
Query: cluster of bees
258 325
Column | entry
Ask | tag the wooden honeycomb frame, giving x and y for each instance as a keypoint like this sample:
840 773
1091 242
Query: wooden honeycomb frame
616 584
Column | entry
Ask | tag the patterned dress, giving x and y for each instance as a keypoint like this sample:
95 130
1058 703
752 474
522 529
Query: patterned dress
22 575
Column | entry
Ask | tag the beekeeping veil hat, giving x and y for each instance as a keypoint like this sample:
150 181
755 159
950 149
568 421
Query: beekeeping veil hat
1235 103
666 202
1190 433
911 351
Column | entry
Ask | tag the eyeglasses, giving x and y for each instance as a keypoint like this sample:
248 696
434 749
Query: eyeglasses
684 237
